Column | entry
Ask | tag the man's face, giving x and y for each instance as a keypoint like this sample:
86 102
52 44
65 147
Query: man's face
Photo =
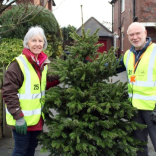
137 36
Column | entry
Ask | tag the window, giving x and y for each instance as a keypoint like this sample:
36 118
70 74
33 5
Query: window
122 5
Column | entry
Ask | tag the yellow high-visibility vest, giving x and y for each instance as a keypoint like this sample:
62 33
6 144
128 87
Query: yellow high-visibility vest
31 94
142 92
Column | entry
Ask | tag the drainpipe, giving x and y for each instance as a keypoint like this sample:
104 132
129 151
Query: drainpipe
112 18
113 23
133 10
112 3
119 51
135 18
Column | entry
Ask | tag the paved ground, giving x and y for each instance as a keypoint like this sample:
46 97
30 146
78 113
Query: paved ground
6 144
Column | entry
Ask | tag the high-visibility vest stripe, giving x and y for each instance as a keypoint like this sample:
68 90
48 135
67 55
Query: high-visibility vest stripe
143 83
151 64
29 113
31 96
142 97
128 57
28 81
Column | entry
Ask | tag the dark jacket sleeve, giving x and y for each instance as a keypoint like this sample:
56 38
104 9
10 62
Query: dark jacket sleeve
122 66
13 80
52 81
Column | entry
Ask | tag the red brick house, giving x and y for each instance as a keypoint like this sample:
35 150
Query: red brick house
124 13
105 35
49 3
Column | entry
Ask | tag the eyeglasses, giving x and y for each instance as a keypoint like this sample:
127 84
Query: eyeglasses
135 34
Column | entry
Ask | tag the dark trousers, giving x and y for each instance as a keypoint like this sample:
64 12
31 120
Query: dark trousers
143 117
25 144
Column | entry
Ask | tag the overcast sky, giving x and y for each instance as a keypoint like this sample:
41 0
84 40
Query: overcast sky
68 12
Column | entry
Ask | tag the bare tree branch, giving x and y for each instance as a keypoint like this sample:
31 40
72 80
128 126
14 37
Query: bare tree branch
6 6
22 15
108 25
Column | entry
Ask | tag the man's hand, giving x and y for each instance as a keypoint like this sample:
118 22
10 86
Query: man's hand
21 126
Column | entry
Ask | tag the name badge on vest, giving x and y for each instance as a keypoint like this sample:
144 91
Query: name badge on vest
132 78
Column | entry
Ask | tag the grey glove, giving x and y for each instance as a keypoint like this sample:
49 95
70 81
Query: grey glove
21 126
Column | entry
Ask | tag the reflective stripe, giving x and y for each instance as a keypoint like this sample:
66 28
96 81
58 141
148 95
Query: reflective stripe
31 96
28 80
127 60
151 64
28 113
32 112
142 97
143 83
45 67
28 95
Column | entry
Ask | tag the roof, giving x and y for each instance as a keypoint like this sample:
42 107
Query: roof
93 25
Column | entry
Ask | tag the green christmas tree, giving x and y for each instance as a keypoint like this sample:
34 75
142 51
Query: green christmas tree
94 116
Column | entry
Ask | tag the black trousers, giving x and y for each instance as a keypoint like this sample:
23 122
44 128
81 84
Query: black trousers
25 144
143 117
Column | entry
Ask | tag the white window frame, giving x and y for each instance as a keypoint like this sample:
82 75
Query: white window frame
122 5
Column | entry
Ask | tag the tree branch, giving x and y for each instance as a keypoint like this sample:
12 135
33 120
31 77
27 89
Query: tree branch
6 6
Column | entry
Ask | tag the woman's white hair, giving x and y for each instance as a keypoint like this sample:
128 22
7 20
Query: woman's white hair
32 32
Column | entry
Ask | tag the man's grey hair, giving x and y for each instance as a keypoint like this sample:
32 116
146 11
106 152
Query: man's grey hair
137 23
32 32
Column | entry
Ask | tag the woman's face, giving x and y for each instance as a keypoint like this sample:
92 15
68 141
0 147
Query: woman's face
36 44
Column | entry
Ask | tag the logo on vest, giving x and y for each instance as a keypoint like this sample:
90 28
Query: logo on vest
132 78
141 72
129 72
36 86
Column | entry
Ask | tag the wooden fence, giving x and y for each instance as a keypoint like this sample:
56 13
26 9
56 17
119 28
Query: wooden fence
4 130
1 115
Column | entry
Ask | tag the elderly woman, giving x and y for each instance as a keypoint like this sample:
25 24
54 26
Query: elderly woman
24 85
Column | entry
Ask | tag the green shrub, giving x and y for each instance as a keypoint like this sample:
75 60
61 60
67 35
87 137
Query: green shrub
9 48
44 18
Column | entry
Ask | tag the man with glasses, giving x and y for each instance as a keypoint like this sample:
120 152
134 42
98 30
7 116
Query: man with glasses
140 64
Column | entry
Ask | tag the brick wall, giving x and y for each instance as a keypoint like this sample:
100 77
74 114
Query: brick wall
39 2
121 23
116 18
144 10
148 11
